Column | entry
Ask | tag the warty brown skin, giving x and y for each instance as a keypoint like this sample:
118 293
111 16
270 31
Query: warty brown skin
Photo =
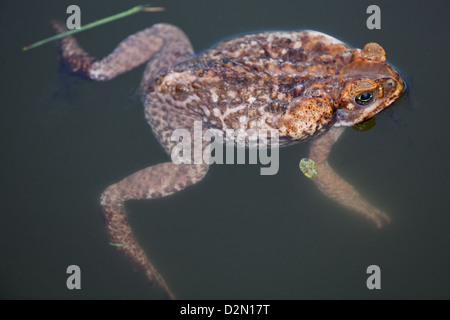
303 84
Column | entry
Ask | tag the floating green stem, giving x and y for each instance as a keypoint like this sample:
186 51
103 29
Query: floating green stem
141 8
118 244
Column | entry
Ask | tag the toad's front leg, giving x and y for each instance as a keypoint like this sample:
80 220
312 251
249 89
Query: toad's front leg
153 182
336 188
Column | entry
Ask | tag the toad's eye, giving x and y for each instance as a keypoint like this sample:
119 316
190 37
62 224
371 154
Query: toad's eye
365 98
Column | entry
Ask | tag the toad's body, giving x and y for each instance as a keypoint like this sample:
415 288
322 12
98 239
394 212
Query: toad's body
302 84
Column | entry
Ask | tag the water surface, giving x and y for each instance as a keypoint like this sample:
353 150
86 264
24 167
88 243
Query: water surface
236 234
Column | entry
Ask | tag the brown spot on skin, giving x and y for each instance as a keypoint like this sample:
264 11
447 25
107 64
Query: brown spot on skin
305 117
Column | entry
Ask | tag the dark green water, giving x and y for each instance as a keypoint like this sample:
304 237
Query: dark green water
237 234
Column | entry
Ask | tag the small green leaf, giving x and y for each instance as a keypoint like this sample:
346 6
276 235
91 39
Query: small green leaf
308 167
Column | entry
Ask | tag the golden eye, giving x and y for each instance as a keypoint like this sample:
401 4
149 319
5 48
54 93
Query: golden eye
363 99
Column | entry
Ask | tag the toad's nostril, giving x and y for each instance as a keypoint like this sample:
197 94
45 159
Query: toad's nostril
341 114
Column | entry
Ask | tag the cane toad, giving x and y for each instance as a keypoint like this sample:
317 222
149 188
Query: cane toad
306 85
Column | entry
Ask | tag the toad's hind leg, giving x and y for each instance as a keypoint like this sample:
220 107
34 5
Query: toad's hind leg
336 188
153 182
163 45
